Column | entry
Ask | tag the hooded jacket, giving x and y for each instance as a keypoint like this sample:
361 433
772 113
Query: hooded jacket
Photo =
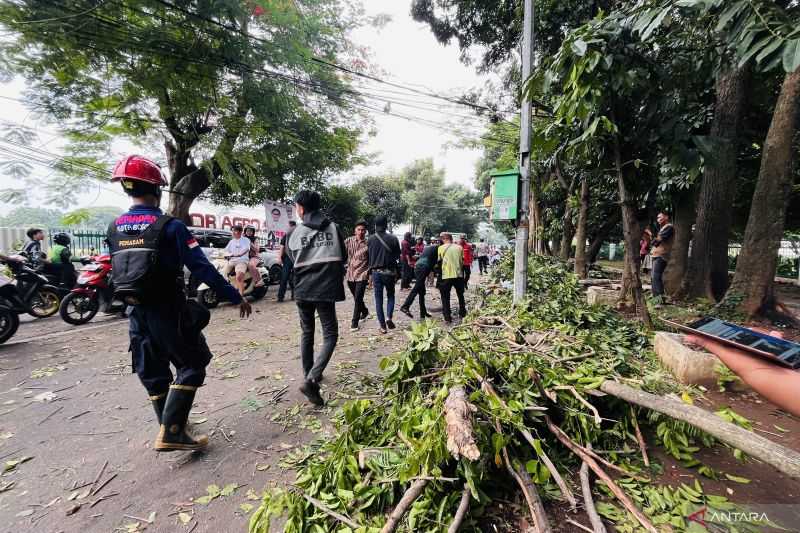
316 247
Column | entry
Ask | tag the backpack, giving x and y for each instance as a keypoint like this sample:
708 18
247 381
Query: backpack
137 277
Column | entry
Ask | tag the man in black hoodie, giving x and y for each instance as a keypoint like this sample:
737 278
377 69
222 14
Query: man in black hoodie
316 247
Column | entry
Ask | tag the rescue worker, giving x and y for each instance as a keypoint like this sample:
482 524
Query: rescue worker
149 250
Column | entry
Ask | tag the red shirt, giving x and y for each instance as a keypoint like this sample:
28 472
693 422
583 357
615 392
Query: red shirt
468 257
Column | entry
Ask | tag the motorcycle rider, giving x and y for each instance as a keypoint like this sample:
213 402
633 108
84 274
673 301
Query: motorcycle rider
33 248
237 252
149 250
254 256
60 259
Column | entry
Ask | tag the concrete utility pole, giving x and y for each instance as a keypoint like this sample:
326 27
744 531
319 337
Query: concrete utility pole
521 244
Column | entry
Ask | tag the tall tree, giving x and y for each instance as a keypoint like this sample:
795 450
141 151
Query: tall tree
236 90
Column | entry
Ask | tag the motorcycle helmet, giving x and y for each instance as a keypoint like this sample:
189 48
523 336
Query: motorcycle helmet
62 239
248 228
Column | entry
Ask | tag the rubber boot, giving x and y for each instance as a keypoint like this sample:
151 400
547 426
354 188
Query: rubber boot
173 435
158 401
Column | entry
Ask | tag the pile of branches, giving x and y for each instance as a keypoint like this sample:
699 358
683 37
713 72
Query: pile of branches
529 404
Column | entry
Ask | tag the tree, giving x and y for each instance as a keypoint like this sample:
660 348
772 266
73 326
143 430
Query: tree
234 89
31 216
383 196
344 205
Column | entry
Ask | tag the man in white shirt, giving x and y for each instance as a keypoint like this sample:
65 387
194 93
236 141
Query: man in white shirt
237 252
483 256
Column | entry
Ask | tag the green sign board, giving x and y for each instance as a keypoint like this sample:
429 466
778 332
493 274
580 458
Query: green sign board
505 194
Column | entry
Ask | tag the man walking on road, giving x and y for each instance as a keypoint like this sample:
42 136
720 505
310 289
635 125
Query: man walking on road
384 252
287 267
483 257
149 250
468 259
358 272
662 246
451 257
316 248
406 261
423 267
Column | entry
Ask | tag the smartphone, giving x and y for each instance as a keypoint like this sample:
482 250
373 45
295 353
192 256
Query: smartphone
777 350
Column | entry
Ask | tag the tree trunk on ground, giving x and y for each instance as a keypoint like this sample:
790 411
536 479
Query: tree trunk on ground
632 230
683 219
580 234
752 290
601 236
707 273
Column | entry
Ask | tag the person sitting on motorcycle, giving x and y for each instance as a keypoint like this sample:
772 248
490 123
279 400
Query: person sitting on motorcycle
60 259
237 253
33 248
254 256
7 289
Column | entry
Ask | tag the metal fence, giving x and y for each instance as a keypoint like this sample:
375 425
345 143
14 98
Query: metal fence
788 259
83 241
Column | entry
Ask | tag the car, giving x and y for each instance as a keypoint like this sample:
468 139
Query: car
212 240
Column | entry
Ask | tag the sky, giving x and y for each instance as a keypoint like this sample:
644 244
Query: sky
404 51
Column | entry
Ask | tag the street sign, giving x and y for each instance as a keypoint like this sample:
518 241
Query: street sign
505 194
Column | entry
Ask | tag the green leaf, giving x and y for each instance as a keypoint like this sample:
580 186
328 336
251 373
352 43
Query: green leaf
791 55
213 490
204 500
229 489
737 479
579 47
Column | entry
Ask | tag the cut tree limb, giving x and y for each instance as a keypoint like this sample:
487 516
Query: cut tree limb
613 487
408 498
330 512
458 418
461 512
771 453
588 501
538 515
640 438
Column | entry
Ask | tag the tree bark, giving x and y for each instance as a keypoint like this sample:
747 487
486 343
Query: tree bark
602 234
707 273
580 234
683 220
632 230
780 457
752 290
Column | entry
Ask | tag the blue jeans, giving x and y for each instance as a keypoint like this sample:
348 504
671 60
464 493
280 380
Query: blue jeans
287 278
379 282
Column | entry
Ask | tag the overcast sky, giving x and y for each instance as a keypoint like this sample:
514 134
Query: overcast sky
405 51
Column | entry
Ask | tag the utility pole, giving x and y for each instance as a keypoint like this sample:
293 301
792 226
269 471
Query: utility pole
521 244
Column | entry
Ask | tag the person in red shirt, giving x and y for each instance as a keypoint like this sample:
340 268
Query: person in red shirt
469 257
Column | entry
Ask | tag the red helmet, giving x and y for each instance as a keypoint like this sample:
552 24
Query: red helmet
138 168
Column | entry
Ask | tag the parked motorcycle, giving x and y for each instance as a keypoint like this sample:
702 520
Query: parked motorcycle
9 320
92 293
207 296
35 295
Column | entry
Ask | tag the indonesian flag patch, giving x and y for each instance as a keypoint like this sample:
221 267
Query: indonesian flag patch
192 243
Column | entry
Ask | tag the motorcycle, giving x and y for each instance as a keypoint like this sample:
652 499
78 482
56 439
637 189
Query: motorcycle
35 295
9 321
207 297
92 293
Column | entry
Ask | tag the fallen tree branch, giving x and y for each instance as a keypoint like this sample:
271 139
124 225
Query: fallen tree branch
588 501
597 418
538 515
562 485
458 419
771 453
640 438
408 498
330 512
461 512
613 487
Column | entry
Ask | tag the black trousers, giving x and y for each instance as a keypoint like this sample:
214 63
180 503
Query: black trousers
357 289
659 265
444 288
483 264
160 336
420 275
407 276
287 278
467 274
313 367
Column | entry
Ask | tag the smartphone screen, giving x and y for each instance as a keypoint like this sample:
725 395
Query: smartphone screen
786 352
